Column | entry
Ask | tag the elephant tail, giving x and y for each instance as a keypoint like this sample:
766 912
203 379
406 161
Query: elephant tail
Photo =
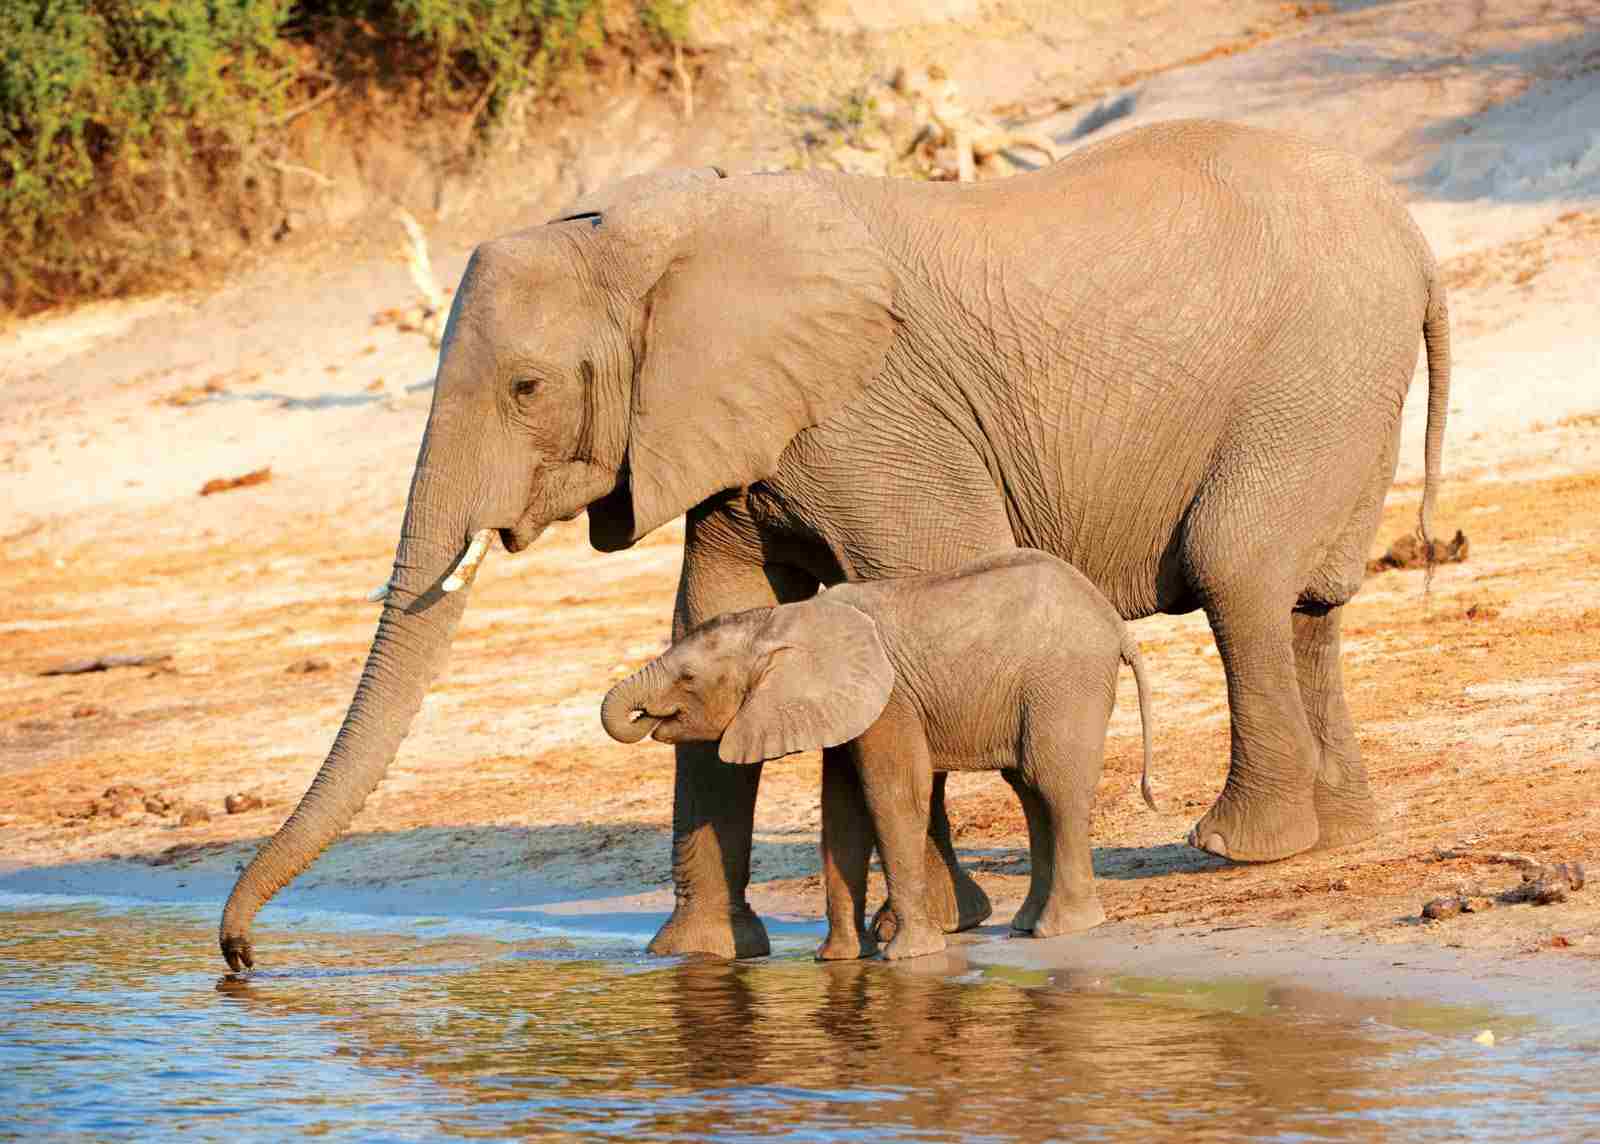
1131 657
1436 337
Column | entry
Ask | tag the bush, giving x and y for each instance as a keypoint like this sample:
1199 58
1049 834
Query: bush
116 116
97 102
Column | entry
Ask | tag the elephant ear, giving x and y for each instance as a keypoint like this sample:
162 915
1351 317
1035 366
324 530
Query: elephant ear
770 309
822 679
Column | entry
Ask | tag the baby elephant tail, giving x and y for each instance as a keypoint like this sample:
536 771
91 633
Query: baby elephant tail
1130 656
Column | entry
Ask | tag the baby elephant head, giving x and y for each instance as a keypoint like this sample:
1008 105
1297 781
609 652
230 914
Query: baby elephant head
767 683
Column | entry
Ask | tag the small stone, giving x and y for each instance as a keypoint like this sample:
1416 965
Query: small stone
85 711
1548 893
118 808
1441 908
193 815
1339 884
1476 904
1560 941
239 803
158 804
306 666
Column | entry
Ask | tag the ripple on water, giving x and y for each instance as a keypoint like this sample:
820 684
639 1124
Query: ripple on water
114 1023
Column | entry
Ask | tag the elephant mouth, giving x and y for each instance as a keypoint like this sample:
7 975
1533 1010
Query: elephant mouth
520 535
655 725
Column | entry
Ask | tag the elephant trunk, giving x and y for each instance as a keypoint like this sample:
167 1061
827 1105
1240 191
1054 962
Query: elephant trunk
408 651
623 711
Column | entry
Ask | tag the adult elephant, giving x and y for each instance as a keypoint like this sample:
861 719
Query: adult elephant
1176 359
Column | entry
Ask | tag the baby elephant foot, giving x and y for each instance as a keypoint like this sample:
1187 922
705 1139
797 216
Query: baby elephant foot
914 939
954 906
1071 917
846 947
1027 916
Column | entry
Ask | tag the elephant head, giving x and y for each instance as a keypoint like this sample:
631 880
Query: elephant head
658 343
767 683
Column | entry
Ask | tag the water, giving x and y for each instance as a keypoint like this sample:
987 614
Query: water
116 1023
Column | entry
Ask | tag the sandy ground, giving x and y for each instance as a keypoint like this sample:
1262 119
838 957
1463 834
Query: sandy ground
1476 702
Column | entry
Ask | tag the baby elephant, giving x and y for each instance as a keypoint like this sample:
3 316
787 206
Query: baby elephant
1008 664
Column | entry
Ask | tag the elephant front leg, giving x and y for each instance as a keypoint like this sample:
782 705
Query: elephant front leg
897 778
713 810
1342 796
950 896
847 841
713 819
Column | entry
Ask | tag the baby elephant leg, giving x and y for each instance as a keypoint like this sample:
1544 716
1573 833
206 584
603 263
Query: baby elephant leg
1041 855
897 778
1065 750
847 842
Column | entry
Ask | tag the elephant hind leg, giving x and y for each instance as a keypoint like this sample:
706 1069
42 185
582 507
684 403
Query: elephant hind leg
1064 741
1041 853
1346 812
1266 810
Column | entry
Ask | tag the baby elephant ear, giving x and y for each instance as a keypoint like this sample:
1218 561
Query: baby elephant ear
821 679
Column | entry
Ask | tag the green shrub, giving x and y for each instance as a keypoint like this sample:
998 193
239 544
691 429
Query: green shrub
98 99
116 114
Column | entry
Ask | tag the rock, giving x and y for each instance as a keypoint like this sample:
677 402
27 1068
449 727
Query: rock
105 663
85 711
158 803
239 803
1441 908
194 814
1410 552
1548 893
306 666
1476 904
226 484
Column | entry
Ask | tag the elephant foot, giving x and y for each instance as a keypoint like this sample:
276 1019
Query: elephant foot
951 900
1027 917
918 939
846 947
1262 833
1344 815
1071 917
720 932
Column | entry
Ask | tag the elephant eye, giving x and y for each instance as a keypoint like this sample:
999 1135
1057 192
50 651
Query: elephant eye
524 388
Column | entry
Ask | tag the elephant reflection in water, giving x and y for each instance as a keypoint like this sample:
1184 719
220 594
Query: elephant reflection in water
709 1047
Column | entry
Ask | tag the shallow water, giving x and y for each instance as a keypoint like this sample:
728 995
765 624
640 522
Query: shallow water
116 1023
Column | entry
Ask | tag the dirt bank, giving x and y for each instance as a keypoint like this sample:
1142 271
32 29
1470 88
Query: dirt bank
1475 702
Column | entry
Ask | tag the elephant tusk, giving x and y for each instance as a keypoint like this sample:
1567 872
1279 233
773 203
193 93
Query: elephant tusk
379 594
468 567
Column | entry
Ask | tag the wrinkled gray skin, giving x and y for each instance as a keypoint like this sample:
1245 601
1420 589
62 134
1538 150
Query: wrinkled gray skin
1176 360
1008 663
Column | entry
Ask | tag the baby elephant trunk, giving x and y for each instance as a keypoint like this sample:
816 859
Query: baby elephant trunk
623 713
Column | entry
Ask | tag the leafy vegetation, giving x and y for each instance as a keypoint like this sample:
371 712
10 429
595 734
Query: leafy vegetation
122 119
